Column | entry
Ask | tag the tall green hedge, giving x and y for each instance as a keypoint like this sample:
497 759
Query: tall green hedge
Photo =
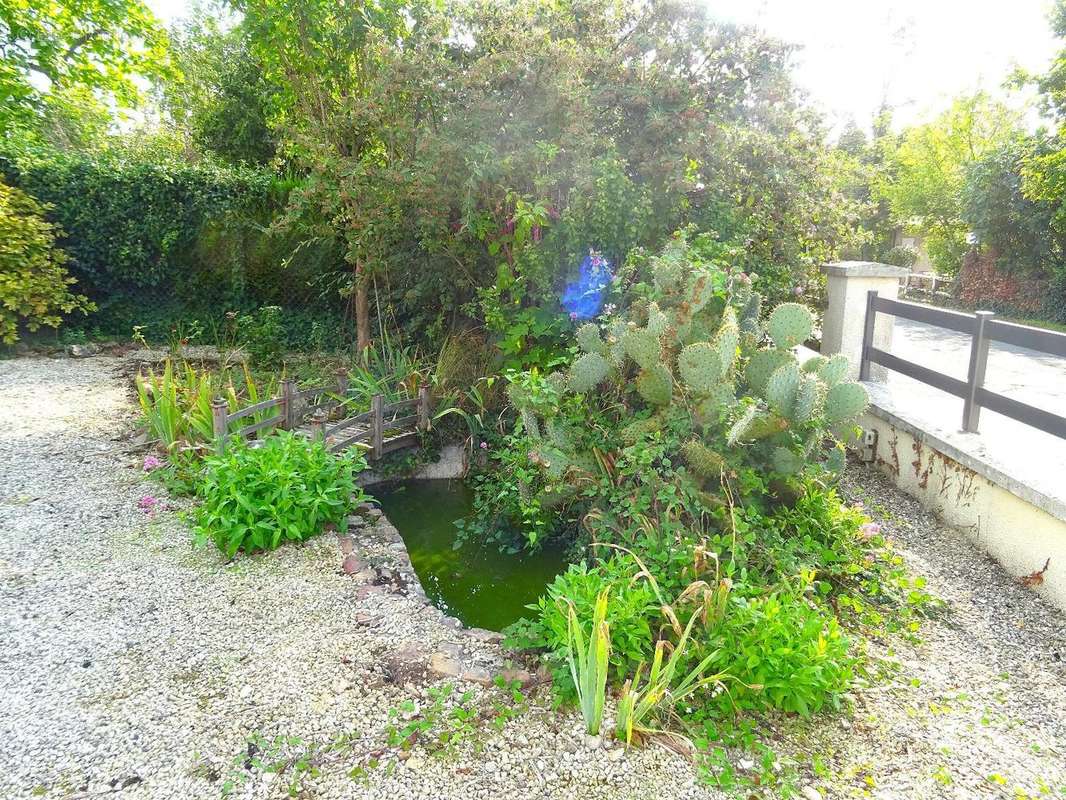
152 241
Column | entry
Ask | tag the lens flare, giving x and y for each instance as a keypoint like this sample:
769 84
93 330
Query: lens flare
583 298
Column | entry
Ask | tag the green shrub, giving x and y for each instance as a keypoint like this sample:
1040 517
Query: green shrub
784 652
285 490
34 283
630 615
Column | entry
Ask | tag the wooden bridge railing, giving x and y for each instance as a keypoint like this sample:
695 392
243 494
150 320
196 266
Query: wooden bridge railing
382 429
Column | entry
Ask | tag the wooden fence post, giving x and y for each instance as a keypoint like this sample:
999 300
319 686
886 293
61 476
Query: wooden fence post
220 423
423 408
342 382
318 420
377 426
288 404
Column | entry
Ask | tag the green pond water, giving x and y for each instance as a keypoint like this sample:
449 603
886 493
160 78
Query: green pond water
479 585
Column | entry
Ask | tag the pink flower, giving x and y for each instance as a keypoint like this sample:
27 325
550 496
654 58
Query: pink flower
484 445
798 291
869 530
148 504
573 315
151 462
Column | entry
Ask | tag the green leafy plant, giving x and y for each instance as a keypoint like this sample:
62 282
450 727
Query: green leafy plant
284 490
176 403
588 660
631 613
34 283
658 696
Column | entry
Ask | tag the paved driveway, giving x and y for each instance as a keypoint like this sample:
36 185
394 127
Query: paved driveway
1017 372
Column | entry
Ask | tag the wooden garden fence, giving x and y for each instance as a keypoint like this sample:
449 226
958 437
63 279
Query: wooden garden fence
386 427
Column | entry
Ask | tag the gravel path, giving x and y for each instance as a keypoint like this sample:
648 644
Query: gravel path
133 665
136 666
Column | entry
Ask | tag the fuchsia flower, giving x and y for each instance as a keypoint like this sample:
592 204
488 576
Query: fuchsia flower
151 462
148 504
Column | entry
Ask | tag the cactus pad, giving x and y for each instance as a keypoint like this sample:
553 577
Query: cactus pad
643 347
727 340
700 367
786 462
845 402
588 371
655 385
529 422
637 430
781 388
701 459
790 324
588 338
762 366
814 364
658 322
810 397
834 370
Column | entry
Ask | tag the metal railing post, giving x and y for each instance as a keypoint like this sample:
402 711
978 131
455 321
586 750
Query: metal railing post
975 376
868 335
220 423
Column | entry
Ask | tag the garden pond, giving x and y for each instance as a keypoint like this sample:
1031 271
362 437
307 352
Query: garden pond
480 586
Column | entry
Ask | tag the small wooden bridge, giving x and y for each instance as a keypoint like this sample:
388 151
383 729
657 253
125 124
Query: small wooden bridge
320 412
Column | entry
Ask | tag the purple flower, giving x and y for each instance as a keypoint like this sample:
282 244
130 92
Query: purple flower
798 291
151 462
484 445
148 504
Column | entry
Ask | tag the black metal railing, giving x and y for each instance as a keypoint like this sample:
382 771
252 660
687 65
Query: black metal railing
983 329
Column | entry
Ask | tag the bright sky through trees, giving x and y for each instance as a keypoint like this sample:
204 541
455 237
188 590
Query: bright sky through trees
917 54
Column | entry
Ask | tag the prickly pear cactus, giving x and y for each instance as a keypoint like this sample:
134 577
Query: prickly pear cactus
637 430
834 370
844 403
700 367
790 324
642 346
762 365
656 385
809 399
727 340
588 371
786 461
781 388
588 338
701 459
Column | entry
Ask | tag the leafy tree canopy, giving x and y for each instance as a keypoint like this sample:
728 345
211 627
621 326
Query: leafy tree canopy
47 48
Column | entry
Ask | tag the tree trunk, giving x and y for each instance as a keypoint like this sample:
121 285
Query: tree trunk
362 310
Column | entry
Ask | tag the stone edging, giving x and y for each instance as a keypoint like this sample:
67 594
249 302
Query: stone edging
375 555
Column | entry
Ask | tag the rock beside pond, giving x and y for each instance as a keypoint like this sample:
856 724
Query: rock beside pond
83 350
444 666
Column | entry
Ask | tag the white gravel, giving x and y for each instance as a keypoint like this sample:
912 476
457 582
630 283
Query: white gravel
133 665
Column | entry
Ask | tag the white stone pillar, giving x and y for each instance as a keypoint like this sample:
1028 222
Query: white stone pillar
845 318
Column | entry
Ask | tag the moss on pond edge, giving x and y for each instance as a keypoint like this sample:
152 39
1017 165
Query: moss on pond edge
480 586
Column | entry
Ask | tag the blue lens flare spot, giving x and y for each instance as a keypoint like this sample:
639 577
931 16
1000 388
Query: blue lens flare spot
583 298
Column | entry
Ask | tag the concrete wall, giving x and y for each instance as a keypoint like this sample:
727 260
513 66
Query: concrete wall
1020 532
